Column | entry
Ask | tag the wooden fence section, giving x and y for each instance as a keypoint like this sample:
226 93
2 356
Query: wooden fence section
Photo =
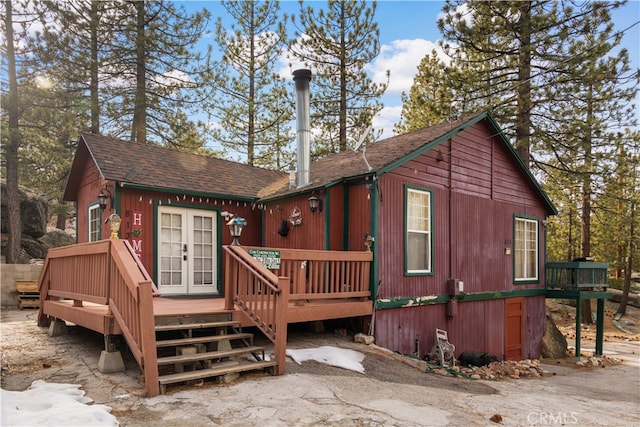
106 273
261 295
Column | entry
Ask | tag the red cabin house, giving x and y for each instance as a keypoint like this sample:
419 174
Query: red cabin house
441 228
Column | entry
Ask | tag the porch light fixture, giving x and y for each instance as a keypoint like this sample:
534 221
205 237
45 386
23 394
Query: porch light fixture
235 228
115 221
103 196
315 203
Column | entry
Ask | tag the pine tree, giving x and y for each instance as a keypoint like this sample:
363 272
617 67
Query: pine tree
158 72
337 44
430 99
12 143
252 105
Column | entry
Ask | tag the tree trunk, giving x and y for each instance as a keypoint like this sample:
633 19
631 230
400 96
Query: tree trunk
13 143
622 308
523 90
585 242
139 131
93 84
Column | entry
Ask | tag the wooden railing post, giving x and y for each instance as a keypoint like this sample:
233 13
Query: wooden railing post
282 302
148 338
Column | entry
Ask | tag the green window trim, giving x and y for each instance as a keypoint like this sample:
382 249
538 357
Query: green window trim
418 231
526 249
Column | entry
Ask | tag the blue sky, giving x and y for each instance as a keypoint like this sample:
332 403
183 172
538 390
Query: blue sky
408 31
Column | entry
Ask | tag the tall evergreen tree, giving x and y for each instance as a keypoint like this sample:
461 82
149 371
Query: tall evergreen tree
252 105
11 145
429 101
158 72
337 44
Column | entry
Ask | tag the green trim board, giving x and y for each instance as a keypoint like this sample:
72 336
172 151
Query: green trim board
406 302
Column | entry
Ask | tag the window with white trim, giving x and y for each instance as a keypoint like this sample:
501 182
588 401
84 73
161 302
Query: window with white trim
418 231
94 222
526 249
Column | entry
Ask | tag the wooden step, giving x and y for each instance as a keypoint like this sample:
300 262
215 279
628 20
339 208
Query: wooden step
196 340
218 316
220 369
209 355
199 325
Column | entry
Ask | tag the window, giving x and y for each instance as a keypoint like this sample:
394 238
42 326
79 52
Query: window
418 232
526 249
94 223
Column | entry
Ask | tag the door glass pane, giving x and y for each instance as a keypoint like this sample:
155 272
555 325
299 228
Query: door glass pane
171 246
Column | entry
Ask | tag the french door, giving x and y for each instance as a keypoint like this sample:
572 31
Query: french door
187 251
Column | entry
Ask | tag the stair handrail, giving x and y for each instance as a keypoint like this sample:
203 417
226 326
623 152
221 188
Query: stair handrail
109 273
131 303
261 295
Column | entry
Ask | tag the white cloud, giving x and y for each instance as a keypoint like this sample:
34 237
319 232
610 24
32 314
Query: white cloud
385 119
402 58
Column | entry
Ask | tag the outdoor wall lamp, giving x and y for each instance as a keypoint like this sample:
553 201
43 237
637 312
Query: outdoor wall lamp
368 241
103 196
115 222
235 228
315 203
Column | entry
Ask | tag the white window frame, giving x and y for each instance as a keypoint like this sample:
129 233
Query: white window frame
410 221
526 238
94 223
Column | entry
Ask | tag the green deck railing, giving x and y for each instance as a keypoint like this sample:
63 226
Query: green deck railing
582 275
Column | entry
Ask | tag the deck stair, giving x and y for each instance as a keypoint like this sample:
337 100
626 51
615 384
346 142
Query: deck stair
193 348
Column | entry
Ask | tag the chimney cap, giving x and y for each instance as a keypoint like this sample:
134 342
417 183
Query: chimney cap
302 72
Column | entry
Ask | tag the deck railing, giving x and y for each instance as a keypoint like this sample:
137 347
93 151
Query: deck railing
109 273
261 295
317 274
576 275
262 288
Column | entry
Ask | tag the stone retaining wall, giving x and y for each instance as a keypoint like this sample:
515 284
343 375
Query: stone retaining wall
9 273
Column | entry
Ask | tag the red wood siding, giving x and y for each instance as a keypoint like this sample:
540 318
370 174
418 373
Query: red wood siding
308 235
134 200
477 327
88 195
336 218
477 189
359 216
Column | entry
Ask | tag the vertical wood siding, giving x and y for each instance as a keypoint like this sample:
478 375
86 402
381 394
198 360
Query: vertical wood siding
336 217
87 195
308 235
359 220
477 189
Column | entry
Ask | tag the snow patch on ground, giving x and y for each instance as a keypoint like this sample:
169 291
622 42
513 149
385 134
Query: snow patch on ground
334 356
52 404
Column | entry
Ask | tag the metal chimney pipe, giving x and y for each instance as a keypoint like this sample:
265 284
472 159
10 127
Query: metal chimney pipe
302 77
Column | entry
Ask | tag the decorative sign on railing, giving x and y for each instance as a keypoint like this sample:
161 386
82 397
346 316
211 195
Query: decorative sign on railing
269 258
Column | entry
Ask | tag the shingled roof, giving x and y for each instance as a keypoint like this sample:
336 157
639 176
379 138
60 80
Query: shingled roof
379 155
384 155
157 167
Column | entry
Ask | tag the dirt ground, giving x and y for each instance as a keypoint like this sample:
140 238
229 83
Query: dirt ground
391 392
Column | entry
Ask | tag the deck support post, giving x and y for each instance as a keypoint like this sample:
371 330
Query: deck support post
110 358
600 327
57 328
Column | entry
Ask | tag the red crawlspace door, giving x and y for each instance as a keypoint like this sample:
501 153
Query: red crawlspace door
513 328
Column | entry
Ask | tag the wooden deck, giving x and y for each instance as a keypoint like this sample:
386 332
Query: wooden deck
97 317
104 287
